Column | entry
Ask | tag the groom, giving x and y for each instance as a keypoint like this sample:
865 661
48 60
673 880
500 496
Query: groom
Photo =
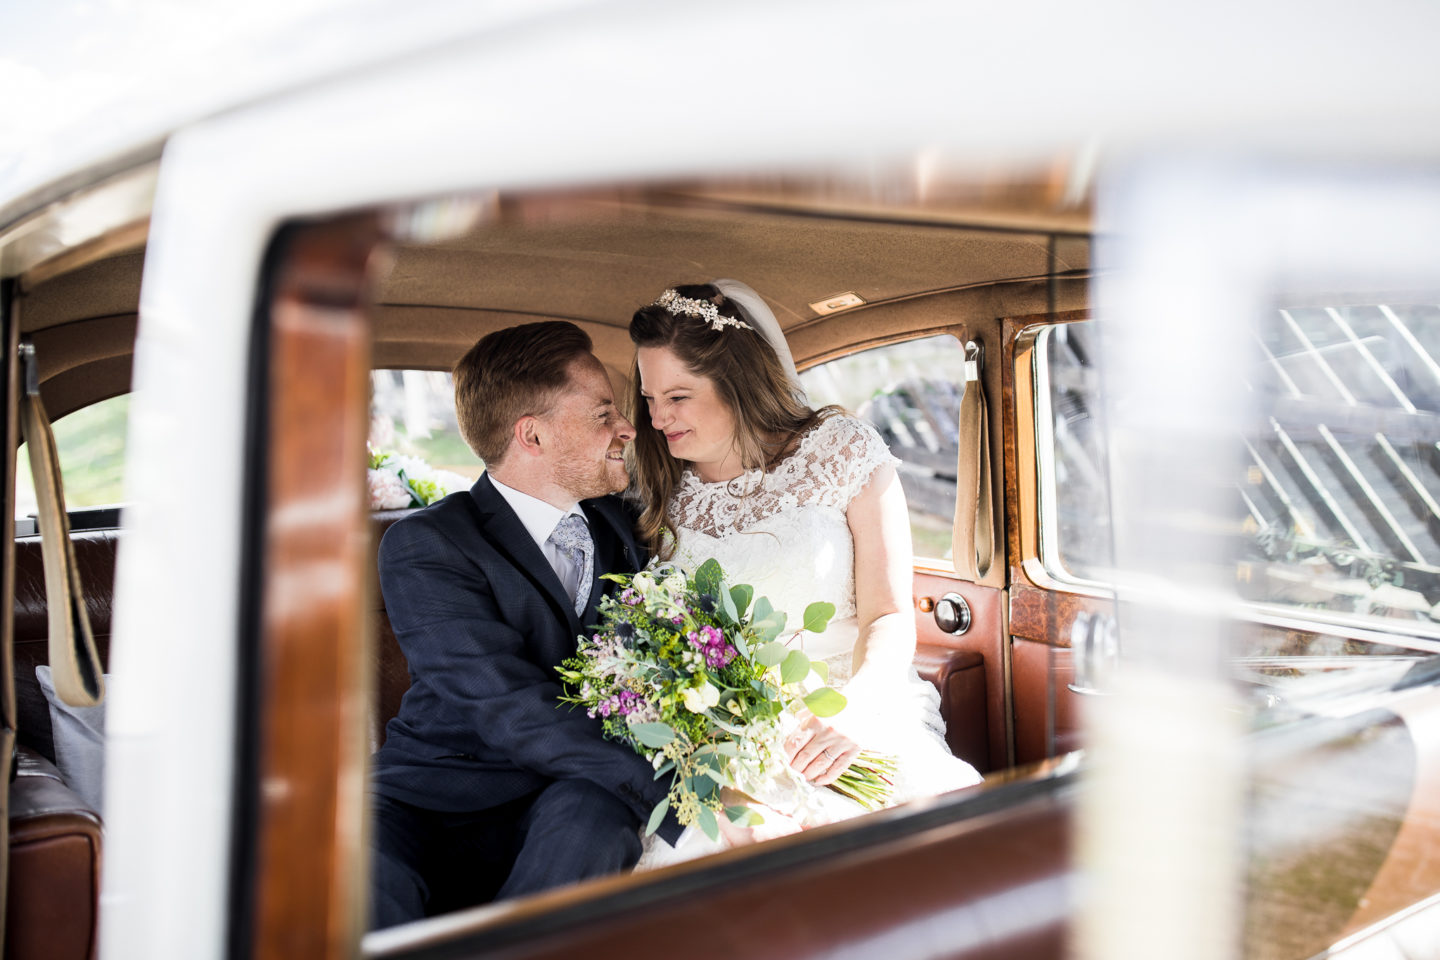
486 786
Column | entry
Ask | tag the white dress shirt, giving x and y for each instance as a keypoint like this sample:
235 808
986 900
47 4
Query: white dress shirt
540 520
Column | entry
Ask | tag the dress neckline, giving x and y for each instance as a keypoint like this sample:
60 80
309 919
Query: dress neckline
755 473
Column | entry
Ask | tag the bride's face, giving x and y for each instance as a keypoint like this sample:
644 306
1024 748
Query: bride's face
685 407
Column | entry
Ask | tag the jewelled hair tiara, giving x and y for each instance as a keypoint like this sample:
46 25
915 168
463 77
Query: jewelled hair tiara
678 306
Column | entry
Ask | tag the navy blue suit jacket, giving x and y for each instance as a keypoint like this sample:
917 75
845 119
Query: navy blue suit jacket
483 621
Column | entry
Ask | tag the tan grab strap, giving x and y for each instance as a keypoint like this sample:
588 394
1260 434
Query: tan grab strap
974 536
74 662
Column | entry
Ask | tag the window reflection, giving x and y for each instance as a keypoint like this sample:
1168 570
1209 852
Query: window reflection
1338 509
910 392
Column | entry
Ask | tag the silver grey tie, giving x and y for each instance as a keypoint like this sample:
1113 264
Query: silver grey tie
572 536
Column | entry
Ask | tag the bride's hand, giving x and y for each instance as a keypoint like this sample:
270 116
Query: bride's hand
820 752
775 824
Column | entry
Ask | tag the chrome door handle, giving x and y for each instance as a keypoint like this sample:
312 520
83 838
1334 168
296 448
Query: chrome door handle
1095 650
952 614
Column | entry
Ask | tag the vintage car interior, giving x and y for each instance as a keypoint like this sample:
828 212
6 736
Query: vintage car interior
990 269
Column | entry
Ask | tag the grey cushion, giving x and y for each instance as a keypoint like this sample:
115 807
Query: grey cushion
79 737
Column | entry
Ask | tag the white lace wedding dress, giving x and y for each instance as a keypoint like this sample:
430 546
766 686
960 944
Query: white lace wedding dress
785 533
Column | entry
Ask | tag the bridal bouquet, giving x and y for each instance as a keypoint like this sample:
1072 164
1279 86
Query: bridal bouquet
689 671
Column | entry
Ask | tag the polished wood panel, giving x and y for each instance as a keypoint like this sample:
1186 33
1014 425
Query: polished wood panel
1022 517
1044 711
1048 615
997 883
309 883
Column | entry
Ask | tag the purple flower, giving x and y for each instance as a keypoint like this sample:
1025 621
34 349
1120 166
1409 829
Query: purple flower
627 702
710 641
629 596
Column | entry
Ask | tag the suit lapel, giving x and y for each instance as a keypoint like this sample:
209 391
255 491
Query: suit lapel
507 534
615 550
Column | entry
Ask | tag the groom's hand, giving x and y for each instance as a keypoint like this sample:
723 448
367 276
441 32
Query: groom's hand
820 752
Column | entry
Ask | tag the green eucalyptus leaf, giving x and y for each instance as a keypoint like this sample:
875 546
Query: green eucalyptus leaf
825 702
727 607
741 595
664 768
817 616
771 654
653 734
657 816
708 577
727 748
737 637
769 627
795 667
743 815
708 823
822 670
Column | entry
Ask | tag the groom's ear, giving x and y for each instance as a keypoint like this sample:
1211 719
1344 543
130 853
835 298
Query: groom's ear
526 436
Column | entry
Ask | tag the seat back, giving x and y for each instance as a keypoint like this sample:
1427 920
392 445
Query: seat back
392 673
54 891
95 561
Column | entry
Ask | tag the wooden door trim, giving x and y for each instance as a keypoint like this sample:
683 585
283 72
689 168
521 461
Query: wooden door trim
301 862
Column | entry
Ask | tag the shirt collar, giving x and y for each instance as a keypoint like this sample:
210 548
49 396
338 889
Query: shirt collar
539 518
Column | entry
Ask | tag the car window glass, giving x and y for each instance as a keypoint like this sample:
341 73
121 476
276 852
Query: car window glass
1338 507
910 392
416 452
90 444
1074 492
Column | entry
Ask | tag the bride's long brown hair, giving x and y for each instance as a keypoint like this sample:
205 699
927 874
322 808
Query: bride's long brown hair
748 379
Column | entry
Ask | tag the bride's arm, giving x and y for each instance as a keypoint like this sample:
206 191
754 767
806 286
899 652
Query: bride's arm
880 526
885 645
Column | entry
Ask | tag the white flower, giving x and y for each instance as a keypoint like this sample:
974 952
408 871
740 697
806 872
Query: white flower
450 481
387 491
643 583
698 699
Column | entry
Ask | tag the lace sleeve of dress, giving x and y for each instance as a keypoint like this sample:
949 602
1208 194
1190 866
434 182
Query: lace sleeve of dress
858 450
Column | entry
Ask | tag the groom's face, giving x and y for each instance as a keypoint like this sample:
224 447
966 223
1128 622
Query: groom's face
588 434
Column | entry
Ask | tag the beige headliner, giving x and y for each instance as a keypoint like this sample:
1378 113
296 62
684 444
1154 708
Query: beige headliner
919 262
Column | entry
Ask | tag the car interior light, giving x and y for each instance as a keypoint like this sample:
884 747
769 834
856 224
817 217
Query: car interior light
841 301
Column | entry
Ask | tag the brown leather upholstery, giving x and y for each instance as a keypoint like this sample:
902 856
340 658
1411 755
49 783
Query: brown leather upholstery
95 559
392 673
959 675
54 890
1047 711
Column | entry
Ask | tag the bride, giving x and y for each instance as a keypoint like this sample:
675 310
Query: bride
801 504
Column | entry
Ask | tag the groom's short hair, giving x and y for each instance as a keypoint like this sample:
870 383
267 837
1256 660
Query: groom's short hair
513 373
